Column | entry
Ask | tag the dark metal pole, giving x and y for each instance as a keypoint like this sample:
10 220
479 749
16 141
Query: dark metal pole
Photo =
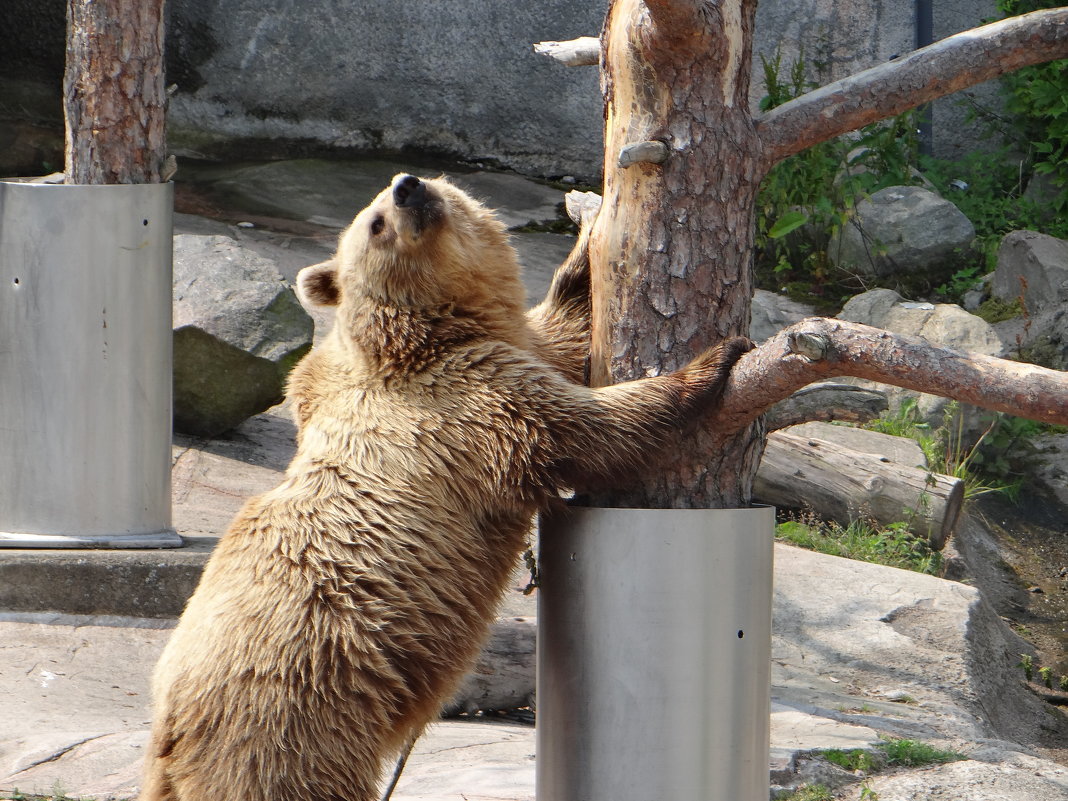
925 36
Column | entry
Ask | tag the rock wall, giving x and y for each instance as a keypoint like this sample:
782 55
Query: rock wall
451 77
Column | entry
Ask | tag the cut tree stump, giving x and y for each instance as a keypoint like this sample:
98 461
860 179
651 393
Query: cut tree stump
843 485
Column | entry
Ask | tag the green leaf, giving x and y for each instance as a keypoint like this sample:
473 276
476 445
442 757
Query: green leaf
788 222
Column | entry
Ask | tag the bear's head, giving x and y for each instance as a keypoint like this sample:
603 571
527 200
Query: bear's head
424 244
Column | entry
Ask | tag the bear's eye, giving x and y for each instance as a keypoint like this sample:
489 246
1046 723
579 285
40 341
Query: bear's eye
377 224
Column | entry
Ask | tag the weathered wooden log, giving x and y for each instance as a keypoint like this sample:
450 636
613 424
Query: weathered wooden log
842 484
503 676
900 450
827 402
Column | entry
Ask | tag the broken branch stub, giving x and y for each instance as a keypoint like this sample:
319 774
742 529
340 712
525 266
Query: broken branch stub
651 152
582 52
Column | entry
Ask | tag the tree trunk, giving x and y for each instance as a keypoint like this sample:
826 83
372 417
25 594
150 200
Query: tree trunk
671 249
114 98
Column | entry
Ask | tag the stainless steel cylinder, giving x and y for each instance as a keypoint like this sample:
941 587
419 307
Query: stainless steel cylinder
85 365
654 650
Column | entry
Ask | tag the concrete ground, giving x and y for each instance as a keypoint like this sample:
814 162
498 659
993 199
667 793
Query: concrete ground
860 652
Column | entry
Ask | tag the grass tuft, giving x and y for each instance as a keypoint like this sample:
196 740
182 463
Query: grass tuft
863 540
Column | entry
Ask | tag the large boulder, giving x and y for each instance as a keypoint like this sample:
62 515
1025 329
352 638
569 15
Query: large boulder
772 312
942 324
1034 267
238 329
900 230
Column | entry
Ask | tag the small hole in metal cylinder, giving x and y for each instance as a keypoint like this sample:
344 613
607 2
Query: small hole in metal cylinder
740 634
16 282
144 222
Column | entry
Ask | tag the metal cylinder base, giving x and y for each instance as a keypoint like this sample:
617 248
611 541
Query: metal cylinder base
85 365
654 651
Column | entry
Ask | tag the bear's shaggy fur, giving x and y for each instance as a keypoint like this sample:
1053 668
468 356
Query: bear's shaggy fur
341 609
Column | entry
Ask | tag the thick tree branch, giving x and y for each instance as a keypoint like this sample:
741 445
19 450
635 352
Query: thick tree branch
582 52
818 348
924 75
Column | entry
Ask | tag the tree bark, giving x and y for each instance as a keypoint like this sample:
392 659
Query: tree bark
671 249
114 97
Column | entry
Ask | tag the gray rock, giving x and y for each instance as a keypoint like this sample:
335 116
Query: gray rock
1050 465
772 312
238 329
1034 266
943 324
330 192
432 77
901 229
1014 777
1042 190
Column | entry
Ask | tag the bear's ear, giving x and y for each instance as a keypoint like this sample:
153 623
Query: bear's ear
317 285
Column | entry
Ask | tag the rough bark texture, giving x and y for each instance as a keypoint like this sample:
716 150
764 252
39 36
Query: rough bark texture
954 63
671 249
114 98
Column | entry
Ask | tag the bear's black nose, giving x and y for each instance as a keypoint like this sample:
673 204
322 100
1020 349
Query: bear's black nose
409 193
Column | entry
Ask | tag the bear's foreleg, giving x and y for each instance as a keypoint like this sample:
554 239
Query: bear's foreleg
561 322
599 433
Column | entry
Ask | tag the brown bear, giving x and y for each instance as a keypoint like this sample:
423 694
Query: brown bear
341 609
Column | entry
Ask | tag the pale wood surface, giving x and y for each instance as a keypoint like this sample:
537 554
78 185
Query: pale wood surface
842 484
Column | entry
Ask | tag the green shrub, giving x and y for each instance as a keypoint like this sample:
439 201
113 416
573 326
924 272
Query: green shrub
893 545
1037 97
915 754
852 759
813 192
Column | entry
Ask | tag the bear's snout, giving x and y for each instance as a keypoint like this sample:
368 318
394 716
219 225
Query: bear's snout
409 192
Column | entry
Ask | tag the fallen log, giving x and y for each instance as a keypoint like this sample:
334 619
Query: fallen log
827 402
900 450
843 485
503 675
